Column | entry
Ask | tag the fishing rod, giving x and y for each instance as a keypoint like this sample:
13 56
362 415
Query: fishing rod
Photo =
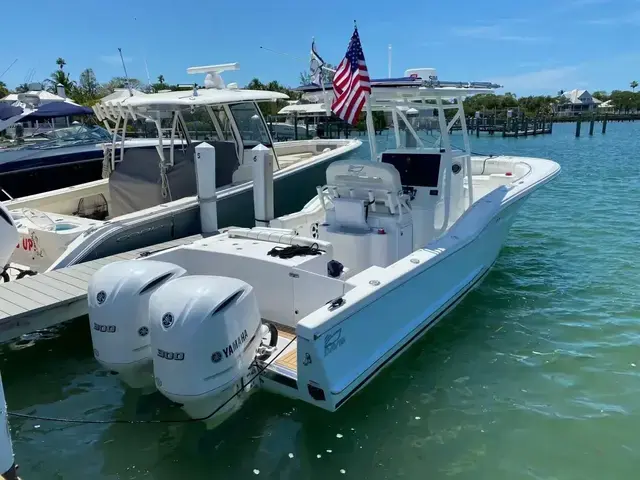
9 67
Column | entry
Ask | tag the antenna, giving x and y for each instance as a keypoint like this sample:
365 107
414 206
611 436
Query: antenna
126 75
389 67
146 67
213 78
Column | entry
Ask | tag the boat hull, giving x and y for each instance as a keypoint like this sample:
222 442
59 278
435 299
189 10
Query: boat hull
74 169
347 361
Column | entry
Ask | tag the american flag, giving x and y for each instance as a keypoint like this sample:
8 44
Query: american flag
351 83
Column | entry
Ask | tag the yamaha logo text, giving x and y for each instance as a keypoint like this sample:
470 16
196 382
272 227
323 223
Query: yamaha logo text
237 343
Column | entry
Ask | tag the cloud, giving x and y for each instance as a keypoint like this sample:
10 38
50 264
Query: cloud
632 18
550 79
586 3
578 4
494 32
115 59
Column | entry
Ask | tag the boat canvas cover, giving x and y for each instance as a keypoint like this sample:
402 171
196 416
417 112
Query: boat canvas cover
136 184
57 109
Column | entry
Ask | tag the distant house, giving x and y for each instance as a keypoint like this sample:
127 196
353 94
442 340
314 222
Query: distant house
577 102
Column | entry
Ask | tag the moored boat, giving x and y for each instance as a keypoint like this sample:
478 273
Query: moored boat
314 304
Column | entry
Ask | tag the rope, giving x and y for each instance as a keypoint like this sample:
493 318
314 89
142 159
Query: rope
294 251
138 422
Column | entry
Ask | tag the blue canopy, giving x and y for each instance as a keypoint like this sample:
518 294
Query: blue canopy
7 111
57 109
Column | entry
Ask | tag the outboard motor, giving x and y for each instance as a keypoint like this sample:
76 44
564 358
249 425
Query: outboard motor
8 236
118 298
205 333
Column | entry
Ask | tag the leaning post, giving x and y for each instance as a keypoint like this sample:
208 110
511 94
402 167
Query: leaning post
262 185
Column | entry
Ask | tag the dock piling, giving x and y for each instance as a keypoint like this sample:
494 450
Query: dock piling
604 124
578 128
591 124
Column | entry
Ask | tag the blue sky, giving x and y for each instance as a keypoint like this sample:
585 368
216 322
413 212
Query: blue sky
529 47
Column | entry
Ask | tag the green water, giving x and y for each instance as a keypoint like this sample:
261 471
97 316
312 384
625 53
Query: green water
536 375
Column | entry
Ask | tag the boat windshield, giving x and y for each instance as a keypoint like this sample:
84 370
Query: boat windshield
67 137
202 126
250 124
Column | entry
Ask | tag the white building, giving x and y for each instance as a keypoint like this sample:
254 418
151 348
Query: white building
577 102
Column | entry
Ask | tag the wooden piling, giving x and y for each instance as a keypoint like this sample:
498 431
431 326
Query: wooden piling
604 124
578 128
591 124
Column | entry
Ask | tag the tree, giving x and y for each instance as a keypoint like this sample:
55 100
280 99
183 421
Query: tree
60 62
87 91
22 88
161 79
600 95
119 82
271 108
4 91
59 77
88 82
633 85
327 75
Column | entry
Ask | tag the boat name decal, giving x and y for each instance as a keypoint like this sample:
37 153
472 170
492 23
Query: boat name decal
237 343
27 244
333 341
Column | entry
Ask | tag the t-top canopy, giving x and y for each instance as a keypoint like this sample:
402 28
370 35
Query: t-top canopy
57 109
410 88
7 111
204 96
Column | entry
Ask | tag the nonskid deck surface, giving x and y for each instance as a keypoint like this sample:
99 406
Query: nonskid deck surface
287 361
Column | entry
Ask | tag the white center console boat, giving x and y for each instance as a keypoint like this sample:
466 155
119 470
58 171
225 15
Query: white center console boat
313 305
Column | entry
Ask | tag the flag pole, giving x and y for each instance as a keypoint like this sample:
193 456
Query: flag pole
371 132
370 129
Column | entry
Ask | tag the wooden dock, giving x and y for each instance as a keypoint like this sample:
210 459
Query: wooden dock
510 127
50 298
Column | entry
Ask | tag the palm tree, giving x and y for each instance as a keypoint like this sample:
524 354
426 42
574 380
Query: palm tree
161 79
633 85
22 88
60 62
4 91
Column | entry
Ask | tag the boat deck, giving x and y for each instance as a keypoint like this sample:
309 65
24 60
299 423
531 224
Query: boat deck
50 298
288 359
